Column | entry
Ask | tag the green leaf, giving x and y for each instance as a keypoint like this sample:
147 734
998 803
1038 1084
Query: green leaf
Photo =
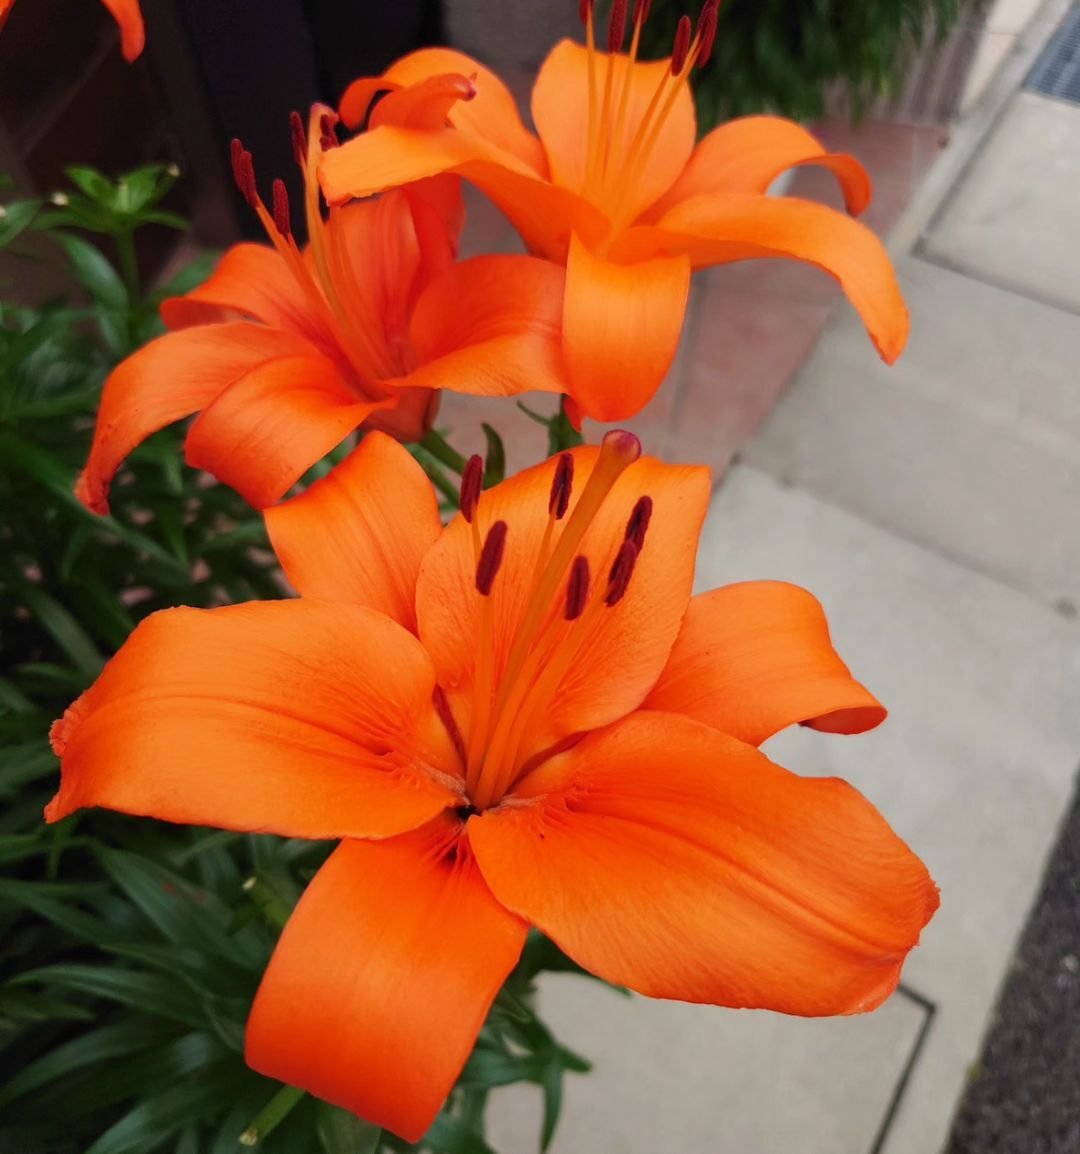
23 1006
46 899
552 1085
15 218
93 271
152 992
96 186
343 1133
130 1035
64 629
495 459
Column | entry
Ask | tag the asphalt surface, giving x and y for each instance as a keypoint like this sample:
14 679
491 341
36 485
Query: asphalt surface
1024 1094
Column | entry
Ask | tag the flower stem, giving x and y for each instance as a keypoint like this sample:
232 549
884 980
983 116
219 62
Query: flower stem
271 1115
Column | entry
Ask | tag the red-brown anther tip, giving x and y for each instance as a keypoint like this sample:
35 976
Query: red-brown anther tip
616 25
585 8
577 588
707 32
682 45
491 558
328 131
621 571
638 524
472 481
622 444
243 169
282 221
562 485
299 138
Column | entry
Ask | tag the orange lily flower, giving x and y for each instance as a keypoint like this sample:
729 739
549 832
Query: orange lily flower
614 188
521 718
286 352
127 15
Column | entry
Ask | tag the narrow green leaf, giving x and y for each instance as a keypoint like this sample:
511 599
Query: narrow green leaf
97 186
495 459
93 271
343 1133
61 625
152 992
552 1085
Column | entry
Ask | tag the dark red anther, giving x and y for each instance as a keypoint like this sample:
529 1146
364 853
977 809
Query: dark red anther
584 10
682 45
328 131
707 32
561 486
299 138
491 558
616 25
243 169
621 571
472 481
577 588
282 221
641 11
638 525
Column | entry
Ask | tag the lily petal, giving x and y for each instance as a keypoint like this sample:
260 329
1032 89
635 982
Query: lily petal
267 429
360 533
491 113
251 280
637 176
491 326
383 977
170 378
269 716
618 657
718 229
746 155
127 14
621 329
665 856
753 658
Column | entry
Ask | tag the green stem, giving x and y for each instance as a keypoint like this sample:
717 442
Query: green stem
129 272
271 1115
437 445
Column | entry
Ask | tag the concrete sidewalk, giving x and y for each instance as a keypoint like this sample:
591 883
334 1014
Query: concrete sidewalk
935 510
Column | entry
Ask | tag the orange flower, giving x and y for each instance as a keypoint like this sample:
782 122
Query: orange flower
127 15
287 351
523 718
615 189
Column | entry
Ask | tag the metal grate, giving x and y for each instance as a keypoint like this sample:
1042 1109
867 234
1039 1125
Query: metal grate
1057 71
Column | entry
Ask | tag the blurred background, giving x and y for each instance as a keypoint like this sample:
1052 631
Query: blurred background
932 507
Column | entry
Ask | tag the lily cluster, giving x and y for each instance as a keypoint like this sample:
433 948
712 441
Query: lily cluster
522 717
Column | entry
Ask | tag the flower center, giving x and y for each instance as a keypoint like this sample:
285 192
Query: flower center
560 611
611 169
325 275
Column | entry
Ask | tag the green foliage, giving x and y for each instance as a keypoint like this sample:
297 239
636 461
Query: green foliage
130 949
785 56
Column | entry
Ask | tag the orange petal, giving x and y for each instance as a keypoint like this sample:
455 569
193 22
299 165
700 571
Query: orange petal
5 10
723 228
389 157
621 329
754 658
491 113
254 281
672 859
270 717
620 655
126 13
748 154
383 977
491 325
560 108
360 533
171 377
264 432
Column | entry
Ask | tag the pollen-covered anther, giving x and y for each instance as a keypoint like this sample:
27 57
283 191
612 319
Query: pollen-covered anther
282 218
617 25
577 588
472 481
243 169
491 558
638 524
683 32
622 569
561 486
328 131
299 138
